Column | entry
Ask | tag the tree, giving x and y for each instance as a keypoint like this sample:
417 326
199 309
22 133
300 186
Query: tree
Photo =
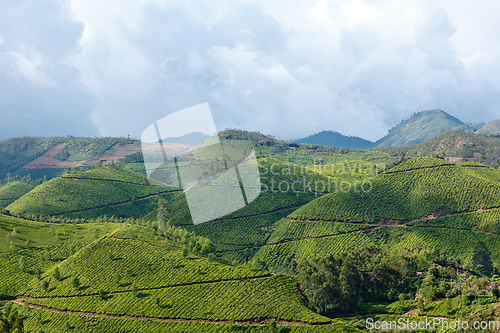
56 274
11 323
38 274
45 286
46 254
22 264
273 327
75 282
134 290
118 279
482 259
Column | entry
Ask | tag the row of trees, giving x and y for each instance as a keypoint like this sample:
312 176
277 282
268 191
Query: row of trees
26 179
193 243
10 321
339 283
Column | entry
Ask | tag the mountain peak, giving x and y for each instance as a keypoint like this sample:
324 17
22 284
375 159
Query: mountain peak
420 127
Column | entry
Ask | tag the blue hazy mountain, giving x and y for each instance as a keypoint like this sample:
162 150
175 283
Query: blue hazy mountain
335 139
188 139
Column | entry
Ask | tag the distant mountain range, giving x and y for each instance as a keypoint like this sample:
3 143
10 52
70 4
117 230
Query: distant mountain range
192 139
335 139
420 127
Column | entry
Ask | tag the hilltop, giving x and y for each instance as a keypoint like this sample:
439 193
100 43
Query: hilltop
419 128
491 128
93 193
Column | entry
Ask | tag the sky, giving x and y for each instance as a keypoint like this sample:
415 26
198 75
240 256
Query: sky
286 68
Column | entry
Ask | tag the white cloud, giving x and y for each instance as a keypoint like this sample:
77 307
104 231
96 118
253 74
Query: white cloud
289 68
40 91
28 64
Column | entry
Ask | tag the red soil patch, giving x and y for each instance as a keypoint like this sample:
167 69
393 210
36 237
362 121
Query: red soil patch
113 154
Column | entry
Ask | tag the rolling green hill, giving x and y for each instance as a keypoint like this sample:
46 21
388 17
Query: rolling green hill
418 203
413 189
418 128
237 235
12 191
97 192
16 153
66 276
189 287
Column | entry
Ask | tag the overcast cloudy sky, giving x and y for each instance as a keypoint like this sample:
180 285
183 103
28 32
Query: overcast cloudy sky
288 68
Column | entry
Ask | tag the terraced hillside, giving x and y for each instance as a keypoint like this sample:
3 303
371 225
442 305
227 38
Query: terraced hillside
40 245
418 204
97 192
92 274
238 235
12 191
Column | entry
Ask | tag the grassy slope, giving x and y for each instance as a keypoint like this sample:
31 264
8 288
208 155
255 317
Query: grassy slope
82 193
170 285
273 297
340 221
80 149
32 240
408 195
253 224
17 152
12 191
38 320
145 265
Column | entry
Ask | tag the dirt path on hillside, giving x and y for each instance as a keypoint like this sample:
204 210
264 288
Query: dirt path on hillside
258 321
433 167
195 283
24 300
283 241
106 180
394 222
113 204
370 227
251 215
